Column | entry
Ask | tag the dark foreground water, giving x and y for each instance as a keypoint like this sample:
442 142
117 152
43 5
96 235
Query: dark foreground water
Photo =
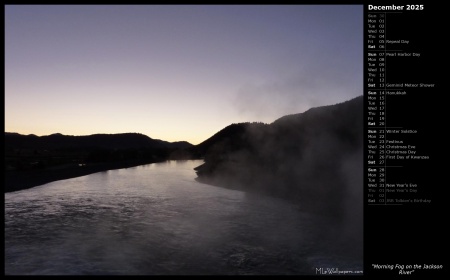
156 219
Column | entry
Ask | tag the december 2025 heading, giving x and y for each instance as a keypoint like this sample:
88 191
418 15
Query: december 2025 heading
406 7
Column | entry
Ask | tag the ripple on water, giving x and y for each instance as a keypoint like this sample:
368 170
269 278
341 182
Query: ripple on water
157 219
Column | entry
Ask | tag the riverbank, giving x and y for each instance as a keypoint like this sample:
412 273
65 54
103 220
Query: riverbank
16 180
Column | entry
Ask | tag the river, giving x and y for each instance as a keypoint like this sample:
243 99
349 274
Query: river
156 219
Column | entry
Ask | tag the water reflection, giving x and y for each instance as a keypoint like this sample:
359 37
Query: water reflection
156 219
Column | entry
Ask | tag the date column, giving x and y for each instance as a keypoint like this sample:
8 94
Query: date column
375 109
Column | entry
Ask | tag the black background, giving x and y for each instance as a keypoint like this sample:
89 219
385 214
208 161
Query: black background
414 233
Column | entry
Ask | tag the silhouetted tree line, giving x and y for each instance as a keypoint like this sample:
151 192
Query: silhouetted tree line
105 155
28 152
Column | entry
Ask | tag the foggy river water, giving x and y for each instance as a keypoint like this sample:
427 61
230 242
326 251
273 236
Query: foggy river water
156 219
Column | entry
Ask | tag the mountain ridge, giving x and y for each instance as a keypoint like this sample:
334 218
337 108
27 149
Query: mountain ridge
313 158
32 160
117 140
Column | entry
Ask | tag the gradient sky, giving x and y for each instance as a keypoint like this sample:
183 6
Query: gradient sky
175 72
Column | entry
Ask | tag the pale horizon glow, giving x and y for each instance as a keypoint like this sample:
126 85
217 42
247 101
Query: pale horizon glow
175 73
